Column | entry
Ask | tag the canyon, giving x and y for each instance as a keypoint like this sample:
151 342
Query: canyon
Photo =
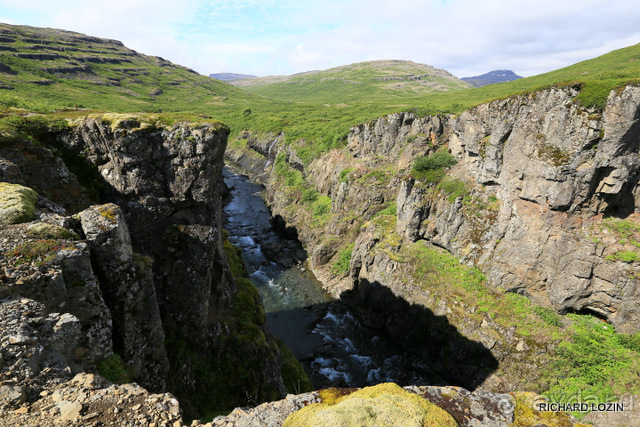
487 245
540 204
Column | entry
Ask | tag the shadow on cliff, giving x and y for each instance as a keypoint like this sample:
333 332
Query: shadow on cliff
458 360
420 347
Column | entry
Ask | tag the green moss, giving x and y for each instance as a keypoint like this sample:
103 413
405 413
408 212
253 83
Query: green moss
114 369
383 404
142 264
293 376
37 252
17 203
551 154
526 414
109 211
43 230
624 256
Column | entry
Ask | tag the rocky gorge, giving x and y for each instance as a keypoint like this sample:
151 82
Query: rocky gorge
539 202
114 258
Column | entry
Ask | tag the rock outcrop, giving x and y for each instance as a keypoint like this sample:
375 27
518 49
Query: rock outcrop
42 384
456 405
145 278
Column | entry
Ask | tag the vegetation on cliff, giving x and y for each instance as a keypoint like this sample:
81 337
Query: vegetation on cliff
53 69
580 354
232 376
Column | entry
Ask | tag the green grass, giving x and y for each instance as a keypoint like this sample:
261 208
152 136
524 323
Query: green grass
365 81
595 365
342 261
321 206
454 188
36 252
592 361
292 177
390 209
123 80
114 369
316 119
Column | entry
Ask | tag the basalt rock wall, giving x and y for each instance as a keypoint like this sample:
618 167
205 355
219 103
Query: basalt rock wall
146 276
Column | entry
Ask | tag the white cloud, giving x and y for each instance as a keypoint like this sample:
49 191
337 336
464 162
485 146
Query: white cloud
466 37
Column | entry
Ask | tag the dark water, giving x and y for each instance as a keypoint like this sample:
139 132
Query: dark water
334 347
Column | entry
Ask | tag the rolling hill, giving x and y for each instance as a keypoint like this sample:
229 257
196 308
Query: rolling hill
63 68
363 81
46 69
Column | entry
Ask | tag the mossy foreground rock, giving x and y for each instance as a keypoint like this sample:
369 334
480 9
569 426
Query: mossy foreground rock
382 405
17 203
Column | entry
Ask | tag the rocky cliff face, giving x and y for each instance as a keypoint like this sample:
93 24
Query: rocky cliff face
146 277
556 170
542 200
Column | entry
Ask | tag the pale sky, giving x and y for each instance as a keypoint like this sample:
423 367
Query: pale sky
279 37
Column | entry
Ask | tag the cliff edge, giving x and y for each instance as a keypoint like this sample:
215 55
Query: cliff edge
143 284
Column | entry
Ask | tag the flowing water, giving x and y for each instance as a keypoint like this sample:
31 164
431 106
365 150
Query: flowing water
334 347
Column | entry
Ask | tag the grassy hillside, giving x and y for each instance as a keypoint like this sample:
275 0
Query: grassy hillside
597 77
62 68
44 68
364 81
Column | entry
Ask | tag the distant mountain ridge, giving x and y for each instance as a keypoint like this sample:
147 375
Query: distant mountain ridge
495 76
231 76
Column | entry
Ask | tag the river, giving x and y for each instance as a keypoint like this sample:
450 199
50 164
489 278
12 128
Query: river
334 347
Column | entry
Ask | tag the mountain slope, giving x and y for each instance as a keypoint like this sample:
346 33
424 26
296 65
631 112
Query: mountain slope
495 76
63 68
230 76
364 81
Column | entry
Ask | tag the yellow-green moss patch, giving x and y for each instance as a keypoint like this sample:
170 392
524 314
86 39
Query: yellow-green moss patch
526 414
17 203
382 405
109 211
43 230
